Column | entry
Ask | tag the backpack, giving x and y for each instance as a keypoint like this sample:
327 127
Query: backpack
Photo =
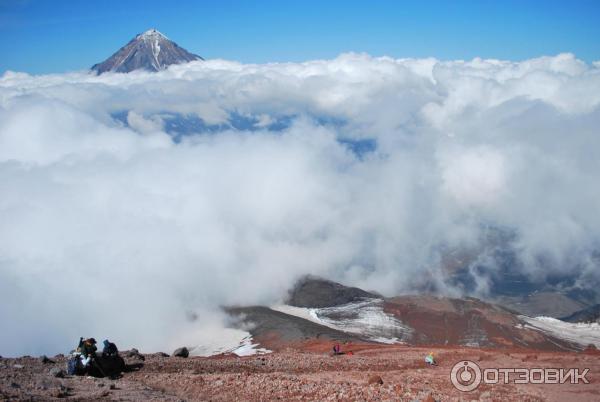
72 365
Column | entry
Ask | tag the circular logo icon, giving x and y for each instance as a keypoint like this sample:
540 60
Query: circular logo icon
465 376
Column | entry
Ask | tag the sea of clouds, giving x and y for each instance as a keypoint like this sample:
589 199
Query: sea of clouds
116 223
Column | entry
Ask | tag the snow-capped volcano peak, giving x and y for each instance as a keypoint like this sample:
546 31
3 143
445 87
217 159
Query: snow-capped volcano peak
150 50
152 34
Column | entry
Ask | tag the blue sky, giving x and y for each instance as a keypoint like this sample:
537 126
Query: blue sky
54 36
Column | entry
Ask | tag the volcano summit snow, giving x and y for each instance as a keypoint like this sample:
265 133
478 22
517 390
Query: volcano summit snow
150 51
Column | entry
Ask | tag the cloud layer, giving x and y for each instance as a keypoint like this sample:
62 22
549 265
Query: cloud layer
133 205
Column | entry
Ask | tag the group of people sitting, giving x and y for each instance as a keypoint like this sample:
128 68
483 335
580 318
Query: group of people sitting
85 360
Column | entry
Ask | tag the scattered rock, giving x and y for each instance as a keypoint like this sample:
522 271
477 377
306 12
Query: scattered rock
112 386
375 379
181 352
134 353
57 372
44 360
14 385
59 392
18 366
163 354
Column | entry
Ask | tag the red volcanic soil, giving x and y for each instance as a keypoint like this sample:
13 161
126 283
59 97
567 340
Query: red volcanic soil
471 322
305 372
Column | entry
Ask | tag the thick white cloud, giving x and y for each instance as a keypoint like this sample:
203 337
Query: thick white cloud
108 227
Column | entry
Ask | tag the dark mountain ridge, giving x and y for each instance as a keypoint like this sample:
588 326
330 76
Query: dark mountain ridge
588 314
312 291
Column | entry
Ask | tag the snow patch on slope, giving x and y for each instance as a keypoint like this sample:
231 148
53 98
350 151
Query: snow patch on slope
155 53
579 333
231 340
248 348
365 318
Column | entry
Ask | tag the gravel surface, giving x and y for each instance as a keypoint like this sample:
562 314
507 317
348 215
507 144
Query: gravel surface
306 372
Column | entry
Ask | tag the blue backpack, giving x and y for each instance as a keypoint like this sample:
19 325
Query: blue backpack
72 364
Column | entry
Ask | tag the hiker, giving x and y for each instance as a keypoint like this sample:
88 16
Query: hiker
110 349
88 349
110 364
429 359
336 349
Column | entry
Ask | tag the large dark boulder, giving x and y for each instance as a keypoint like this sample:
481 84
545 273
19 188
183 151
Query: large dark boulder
134 353
44 360
181 352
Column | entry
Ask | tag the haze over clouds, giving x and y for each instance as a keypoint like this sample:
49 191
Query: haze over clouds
114 224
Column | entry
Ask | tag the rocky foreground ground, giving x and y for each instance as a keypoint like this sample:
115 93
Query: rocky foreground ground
370 373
